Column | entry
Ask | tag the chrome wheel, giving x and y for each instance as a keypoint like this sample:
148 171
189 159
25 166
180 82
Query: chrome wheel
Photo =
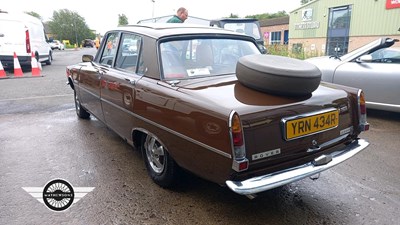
155 154
77 104
81 112
159 164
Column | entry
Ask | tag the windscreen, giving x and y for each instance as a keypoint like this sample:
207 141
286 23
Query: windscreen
186 59
250 29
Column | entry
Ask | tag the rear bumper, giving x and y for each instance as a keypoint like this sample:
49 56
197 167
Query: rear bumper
269 181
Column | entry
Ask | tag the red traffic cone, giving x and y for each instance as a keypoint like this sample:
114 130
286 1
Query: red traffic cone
35 67
17 67
2 72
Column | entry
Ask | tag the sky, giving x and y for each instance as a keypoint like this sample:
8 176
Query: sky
103 15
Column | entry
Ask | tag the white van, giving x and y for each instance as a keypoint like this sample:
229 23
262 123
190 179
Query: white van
22 34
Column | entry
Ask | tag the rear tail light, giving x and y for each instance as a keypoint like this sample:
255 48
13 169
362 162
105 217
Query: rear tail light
362 111
27 41
240 161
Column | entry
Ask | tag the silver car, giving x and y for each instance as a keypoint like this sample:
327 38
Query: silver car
375 68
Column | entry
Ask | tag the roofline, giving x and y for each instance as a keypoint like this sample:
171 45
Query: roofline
302 6
157 28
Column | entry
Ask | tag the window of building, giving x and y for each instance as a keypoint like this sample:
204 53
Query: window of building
275 38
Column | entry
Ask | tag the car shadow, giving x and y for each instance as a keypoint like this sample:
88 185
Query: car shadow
386 115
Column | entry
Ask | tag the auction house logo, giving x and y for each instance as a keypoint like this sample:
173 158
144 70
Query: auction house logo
58 195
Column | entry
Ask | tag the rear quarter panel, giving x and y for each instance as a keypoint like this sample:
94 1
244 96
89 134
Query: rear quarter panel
195 136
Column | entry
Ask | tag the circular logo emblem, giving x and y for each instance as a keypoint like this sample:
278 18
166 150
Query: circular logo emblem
58 195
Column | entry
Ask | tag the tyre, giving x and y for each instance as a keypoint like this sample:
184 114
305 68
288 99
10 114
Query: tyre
278 75
80 111
48 62
161 168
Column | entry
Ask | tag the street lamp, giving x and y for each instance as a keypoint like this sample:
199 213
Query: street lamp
76 34
152 13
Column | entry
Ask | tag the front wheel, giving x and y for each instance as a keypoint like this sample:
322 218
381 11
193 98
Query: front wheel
160 166
80 111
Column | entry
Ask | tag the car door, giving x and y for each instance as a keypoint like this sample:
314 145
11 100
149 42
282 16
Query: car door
379 78
91 81
117 91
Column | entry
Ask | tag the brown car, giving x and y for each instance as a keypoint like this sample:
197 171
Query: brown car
207 101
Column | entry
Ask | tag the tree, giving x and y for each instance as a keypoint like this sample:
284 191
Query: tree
233 16
122 20
69 25
268 15
35 14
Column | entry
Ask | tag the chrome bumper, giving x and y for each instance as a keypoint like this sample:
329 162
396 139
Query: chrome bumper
269 181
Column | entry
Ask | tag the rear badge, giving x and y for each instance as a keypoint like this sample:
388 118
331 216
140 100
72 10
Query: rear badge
346 131
266 154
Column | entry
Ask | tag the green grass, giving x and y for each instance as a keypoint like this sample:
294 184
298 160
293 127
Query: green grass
283 50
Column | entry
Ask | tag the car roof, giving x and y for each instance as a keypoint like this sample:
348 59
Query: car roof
159 30
238 20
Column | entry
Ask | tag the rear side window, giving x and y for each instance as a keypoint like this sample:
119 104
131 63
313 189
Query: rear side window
110 50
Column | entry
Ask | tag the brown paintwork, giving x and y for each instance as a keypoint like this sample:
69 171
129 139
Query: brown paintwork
197 111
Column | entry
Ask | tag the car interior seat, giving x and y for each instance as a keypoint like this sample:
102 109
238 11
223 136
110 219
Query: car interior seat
204 55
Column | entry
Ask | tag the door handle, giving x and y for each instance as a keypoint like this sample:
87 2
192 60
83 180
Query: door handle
130 81
100 74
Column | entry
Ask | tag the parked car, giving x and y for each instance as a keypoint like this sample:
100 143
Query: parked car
56 44
249 26
88 43
23 34
375 68
199 98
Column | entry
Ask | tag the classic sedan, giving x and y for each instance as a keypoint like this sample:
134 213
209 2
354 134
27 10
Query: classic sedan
375 68
205 100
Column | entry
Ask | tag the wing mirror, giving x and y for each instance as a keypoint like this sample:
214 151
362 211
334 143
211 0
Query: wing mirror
87 58
365 58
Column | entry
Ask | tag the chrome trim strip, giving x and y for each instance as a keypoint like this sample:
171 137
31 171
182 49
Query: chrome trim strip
382 104
284 120
229 156
269 181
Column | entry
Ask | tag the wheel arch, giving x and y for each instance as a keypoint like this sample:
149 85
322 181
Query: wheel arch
137 137
71 83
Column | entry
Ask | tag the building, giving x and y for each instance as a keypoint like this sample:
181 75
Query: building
326 27
275 31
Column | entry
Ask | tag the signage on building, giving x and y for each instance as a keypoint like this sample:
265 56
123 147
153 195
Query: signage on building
306 15
306 25
390 4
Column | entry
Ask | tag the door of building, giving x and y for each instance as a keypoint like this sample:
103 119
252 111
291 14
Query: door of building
338 30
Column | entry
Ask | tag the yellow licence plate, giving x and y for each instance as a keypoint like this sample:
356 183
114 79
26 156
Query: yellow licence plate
299 127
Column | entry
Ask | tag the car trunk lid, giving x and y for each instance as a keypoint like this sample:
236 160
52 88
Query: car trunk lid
278 130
